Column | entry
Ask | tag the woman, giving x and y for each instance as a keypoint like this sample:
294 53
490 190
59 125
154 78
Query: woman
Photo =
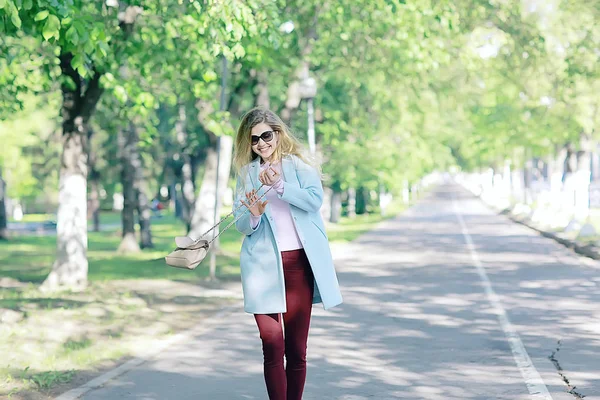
286 263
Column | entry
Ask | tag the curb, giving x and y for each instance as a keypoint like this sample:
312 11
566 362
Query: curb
586 250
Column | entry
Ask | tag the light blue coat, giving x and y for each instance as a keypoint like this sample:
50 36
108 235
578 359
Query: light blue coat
260 259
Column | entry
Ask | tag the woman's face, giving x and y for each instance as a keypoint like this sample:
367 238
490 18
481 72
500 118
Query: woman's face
264 148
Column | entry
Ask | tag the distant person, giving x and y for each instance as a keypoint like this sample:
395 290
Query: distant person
285 260
156 207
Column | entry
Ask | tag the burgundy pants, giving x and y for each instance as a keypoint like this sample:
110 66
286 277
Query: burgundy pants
288 383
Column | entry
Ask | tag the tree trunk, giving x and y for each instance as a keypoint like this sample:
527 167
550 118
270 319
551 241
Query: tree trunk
556 166
292 102
71 265
362 200
129 156
506 173
351 203
527 177
79 101
94 178
175 201
405 192
205 202
3 219
568 178
187 177
144 214
262 90
583 175
326 207
384 200
95 200
203 217
336 206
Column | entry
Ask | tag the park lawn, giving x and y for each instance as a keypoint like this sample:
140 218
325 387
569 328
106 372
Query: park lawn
106 217
29 258
132 303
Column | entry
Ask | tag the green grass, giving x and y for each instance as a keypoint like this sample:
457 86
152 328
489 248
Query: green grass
47 379
348 229
36 218
106 217
30 258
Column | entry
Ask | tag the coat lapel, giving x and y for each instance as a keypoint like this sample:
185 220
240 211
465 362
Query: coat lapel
287 168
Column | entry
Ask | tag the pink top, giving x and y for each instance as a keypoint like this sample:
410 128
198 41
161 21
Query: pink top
287 237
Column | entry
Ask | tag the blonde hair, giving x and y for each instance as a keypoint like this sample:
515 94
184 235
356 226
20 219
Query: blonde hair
287 144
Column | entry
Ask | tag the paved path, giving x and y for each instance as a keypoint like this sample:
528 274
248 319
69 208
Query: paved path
449 301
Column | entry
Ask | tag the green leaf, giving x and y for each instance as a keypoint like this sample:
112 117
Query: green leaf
2 3
77 61
82 71
72 35
121 94
42 15
209 76
14 18
28 4
51 27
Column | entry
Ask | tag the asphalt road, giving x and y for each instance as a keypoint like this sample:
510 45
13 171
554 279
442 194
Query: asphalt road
448 301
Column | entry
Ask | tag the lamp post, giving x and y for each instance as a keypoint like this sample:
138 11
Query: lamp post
213 254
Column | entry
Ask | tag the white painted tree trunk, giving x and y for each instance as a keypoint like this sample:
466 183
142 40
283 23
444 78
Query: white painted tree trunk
405 192
569 182
326 207
555 173
144 211
71 266
527 177
203 217
129 157
504 190
336 207
582 185
351 203
516 184
595 163
384 200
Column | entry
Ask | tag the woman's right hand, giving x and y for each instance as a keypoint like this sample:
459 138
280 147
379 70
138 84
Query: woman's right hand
258 207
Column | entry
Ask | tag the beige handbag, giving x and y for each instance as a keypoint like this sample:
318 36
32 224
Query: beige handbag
190 253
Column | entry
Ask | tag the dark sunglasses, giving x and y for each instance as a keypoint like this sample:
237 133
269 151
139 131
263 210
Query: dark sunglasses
265 136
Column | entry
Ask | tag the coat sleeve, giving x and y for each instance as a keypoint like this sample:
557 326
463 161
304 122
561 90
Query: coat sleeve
307 196
244 224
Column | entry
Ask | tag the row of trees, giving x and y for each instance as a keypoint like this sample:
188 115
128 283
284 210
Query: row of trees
149 92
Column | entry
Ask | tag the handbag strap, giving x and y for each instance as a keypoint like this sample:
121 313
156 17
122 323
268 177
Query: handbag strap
233 212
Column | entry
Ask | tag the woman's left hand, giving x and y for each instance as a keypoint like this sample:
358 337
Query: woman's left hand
269 176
